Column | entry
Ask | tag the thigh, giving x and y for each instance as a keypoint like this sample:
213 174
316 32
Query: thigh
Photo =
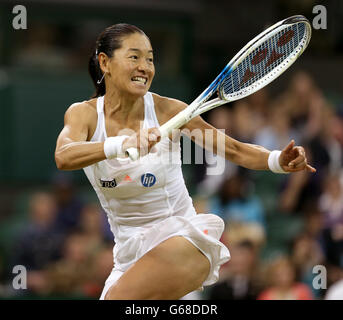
169 271
112 279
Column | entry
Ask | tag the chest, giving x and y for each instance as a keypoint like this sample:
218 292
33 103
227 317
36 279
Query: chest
115 127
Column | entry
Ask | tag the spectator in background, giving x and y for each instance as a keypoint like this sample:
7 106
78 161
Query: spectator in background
291 198
91 224
244 122
331 205
282 284
220 118
238 232
312 121
304 103
331 137
306 253
300 190
277 129
260 104
68 275
240 280
236 202
87 259
102 264
69 206
39 243
80 272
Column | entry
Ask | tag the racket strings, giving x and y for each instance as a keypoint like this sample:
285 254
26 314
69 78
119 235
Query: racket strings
264 59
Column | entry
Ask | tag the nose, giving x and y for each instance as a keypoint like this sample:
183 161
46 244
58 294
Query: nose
144 66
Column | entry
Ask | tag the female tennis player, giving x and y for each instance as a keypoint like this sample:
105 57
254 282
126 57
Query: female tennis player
164 249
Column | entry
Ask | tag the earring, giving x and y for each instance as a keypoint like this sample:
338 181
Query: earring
103 76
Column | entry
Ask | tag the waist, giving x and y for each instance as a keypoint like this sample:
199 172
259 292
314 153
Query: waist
172 199
126 227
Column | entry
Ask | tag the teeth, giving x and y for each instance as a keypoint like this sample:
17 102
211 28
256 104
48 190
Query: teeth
139 79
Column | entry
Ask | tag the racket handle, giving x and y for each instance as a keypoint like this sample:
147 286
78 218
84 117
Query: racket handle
132 153
174 123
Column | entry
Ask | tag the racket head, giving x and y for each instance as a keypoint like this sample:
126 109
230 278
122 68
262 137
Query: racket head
265 58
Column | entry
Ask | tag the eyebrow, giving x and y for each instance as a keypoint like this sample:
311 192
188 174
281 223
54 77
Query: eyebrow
138 50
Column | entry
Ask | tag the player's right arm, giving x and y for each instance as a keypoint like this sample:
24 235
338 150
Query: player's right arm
73 151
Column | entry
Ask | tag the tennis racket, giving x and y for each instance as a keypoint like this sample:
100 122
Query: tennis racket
257 64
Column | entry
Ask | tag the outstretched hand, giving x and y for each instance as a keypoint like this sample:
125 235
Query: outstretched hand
293 159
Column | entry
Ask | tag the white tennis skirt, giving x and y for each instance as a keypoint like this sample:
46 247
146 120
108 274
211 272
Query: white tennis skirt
202 230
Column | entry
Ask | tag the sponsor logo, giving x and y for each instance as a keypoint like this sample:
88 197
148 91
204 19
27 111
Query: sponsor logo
148 180
108 183
127 178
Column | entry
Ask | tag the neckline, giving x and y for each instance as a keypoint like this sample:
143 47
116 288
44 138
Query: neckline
102 101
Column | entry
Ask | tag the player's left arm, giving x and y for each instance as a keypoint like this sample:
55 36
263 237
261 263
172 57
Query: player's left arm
255 157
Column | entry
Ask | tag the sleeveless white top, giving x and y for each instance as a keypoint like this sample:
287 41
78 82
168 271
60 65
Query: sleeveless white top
140 197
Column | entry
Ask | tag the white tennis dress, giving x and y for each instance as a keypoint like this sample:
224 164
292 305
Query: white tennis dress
147 202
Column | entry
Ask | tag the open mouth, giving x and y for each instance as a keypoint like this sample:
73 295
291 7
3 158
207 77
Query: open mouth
141 80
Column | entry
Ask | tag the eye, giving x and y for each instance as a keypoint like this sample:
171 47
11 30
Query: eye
134 57
151 60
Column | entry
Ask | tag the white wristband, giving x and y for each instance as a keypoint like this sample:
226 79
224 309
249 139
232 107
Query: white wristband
273 162
113 146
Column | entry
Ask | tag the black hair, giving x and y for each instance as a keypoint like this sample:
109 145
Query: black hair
107 42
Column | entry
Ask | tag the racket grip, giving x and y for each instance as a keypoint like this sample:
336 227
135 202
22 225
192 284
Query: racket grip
174 123
132 153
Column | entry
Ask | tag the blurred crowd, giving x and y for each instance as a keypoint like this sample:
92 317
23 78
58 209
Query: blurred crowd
64 243
284 232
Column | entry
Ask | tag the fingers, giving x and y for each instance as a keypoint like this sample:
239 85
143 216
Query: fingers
300 160
299 164
294 159
143 140
154 135
301 167
310 168
289 147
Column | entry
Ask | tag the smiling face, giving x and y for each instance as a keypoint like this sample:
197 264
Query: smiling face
131 68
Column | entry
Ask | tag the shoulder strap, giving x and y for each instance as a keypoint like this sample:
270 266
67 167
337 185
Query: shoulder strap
100 132
150 119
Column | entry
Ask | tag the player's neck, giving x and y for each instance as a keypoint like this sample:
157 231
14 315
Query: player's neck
122 104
